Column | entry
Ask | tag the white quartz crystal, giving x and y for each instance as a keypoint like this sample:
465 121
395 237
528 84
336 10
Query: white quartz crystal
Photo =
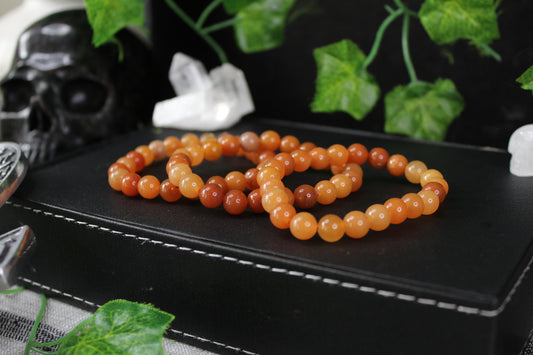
205 102
521 148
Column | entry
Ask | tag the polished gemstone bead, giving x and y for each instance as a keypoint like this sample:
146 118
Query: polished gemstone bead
437 188
358 154
190 185
250 141
235 202
415 205
397 209
147 154
149 187
302 160
413 171
169 192
354 167
337 169
207 137
138 158
273 198
212 150
189 139
158 148
396 165
236 180
305 196
303 226
116 166
429 175
211 195
338 154
251 179
129 162
343 185
270 140
129 184
326 192
288 144
307 146
319 158
290 196
177 172
271 184
441 181
268 173
115 178
287 161
356 178
230 144
431 201
253 157
182 155
331 228
378 217
178 158
378 157
254 201
266 155
196 153
356 224
282 215
171 144
220 181
272 163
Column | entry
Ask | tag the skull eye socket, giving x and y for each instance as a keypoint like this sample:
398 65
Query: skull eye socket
17 94
83 96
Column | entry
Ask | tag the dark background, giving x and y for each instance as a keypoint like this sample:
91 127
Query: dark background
282 80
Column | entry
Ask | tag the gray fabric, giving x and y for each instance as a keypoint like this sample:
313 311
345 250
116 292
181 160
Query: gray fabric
19 310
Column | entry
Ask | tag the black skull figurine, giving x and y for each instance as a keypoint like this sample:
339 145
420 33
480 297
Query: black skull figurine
62 93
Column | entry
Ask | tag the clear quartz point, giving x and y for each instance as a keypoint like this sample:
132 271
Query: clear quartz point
521 148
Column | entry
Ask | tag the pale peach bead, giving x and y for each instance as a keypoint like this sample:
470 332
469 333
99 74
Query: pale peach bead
158 148
250 141
354 167
326 192
273 163
190 186
330 228
207 137
147 154
189 139
148 187
196 153
177 172
115 178
378 216
431 201
271 184
356 224
343 185
273 198
282 215
212 150
171 144
413 171
268 173
429 175
303 226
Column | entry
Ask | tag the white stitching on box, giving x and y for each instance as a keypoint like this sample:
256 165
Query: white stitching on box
345 285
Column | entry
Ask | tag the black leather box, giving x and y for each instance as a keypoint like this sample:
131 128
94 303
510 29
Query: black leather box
456 282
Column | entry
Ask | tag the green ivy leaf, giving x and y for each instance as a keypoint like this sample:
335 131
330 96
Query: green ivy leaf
260 26
107 17
422 110
342 83
526 79
120 327
446 21
234 6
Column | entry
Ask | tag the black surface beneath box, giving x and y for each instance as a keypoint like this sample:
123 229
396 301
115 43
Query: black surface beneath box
454 282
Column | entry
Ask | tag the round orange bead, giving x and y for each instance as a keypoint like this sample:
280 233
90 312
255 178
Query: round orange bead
190 139
319 158
179 158
413 171
302 160
414 204
290 196
169 192
338 154
236 181
250 141
396 165
307 146
266 155
220 181
288 144
326 192
305 196
429 175
149 187
378 157
211 195
273 198
177 172
273 163
331 228
212 150
147 154
358 154
287 161
129 162
271 184
207 137
437 188
431 201
270 140
115 178
356 224
230 144
303 226
196 153
282 215
251 179
357 179
235 202
268 173
116 166
171 144
158 148
443 182
397 209
129 184
343 185
190 185
138 158
254 201
378 217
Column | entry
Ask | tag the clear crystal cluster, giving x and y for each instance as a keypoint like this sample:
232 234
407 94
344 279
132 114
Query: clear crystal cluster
204 101
521 148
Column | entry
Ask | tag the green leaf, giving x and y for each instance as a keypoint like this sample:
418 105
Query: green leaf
422 110
261 25
446 21
526 79
120 327
342 83
234 6
107 17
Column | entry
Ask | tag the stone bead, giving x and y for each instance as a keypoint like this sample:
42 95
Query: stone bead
268 173
378 157
147 154
414 204
302 160
273 198
138 158
207 137
396 165
212 150
169 192
115 178
290 196
128 162
441 181
171 144
158 148
179 158
177 172
397 209
338 154
236 180
288 144
429 175
220 181
437 188
358 154
273 163
190 185
254 201
319 158
235 202
190 139
251 179
378 217
211 195
129 184
287 161
305 196
307 146
431 201
266 155
413 171
330 228
182 157
149 187
343 185
230 144
357 179
270 140
326 193
303 226
282 215
250 141
356 224
354 167
271 184
116 166
196 153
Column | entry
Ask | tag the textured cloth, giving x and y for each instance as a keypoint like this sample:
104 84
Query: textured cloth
18 312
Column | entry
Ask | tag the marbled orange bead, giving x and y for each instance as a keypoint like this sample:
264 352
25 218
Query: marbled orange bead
330 228
307 146
338 154
171 144
207 137
177 172
189 139
178 158
270 140
378 217
303 226
343 185
302 160
397 164
430 175
290 196
288 144
397 209
149 187
356 178
251 179
271 184
437 188
212 150
211 195
190 185
319 158
138 158
129 184
273 198
230 144
158 148
326 192
282 215
431 201
169 192
358 154
116 166
220 181
235 202
254 201
115 178
129 162
268 173
236 180
250 141
305 196
273 163
356 224
287 161
147 154
415 205
413 171
443 182
378 157
196 153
